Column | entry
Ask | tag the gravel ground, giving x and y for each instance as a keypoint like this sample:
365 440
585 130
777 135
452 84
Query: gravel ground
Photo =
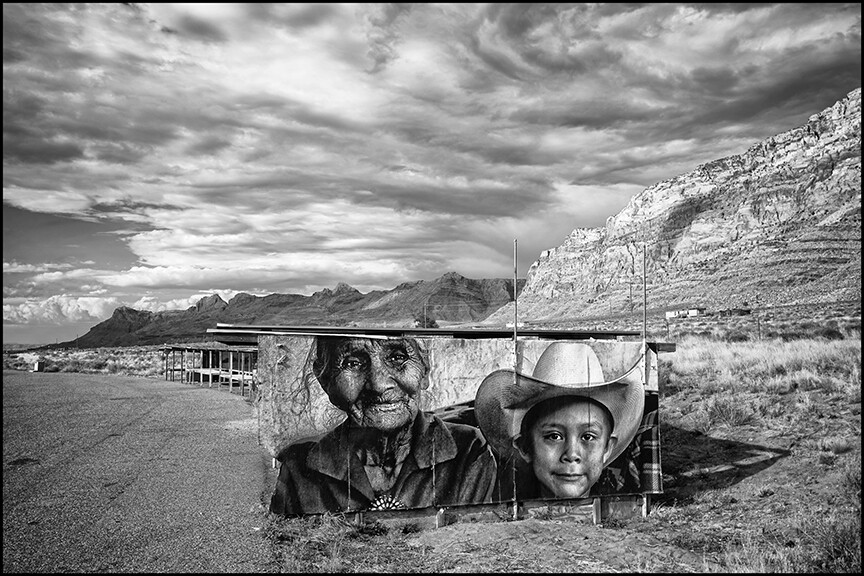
121 474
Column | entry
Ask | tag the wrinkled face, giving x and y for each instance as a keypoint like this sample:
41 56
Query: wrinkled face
375 381
566 446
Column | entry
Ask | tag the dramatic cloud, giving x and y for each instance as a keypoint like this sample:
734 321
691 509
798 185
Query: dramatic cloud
157 153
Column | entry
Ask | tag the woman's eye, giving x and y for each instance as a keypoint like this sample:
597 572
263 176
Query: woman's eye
398 357
553 436
352 363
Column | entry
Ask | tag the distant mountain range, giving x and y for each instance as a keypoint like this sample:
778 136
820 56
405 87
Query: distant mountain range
452 298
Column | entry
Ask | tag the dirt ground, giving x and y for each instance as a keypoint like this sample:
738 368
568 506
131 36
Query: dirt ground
739 486
730 496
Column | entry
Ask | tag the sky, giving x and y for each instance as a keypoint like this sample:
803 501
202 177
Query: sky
155 154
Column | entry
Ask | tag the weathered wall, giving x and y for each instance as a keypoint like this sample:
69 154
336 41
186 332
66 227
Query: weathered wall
289 411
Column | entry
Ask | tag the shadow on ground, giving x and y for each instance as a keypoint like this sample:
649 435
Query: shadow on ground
693 462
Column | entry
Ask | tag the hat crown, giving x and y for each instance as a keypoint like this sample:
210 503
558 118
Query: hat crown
569 365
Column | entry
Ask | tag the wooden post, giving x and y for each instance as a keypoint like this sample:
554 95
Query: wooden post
172 364
210 367
242 371
230 371
247 368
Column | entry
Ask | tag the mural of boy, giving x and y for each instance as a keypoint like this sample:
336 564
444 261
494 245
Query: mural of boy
387 453
557 429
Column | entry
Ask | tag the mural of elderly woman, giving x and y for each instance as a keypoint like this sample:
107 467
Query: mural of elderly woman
387 453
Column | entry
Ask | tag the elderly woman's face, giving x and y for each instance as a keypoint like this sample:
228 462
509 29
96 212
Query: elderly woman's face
376 381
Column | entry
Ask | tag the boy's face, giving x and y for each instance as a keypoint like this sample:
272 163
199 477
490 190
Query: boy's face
568 445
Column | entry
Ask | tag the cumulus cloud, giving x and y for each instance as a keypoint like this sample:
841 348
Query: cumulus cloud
20 268
58 309
288 147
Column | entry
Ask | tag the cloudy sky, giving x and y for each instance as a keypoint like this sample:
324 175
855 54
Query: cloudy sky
156 154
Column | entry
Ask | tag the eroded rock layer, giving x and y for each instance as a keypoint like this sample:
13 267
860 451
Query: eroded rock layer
779 224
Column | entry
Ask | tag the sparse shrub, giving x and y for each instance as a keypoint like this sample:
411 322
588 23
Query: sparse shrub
827 459
836 445
829 333
765 491
737 336
804 380
412 528
730 411
374 528
98 364
71 366
852 481
701 421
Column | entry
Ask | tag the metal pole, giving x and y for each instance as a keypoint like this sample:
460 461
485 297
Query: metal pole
515 310
515 363
644 295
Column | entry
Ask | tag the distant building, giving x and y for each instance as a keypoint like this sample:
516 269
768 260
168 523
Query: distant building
685 312
735 312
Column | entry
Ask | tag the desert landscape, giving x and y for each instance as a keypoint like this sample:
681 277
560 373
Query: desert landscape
761 457
687 175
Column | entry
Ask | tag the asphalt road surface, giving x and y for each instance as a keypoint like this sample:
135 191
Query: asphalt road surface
105 473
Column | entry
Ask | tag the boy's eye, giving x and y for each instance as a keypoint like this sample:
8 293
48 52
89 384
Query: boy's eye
553 436
589 437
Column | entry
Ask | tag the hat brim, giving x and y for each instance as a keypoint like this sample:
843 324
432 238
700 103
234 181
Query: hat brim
505 396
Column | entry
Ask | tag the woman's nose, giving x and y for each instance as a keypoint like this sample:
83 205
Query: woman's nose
379 378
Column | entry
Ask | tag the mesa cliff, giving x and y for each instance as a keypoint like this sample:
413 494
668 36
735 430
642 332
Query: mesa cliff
779 224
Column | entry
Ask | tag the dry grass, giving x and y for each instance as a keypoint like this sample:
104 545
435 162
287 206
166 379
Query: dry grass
132 361
824 543
329 543
801 513
720 401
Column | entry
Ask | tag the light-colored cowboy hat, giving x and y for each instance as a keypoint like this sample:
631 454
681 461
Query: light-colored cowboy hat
563 369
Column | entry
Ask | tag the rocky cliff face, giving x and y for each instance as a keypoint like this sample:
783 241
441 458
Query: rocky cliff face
778 224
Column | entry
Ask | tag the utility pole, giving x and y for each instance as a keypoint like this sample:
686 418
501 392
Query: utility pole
644 295
515 363
515 314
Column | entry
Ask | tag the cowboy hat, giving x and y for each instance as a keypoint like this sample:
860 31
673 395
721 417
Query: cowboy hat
563 369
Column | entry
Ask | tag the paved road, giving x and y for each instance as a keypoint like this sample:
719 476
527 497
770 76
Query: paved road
120 474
